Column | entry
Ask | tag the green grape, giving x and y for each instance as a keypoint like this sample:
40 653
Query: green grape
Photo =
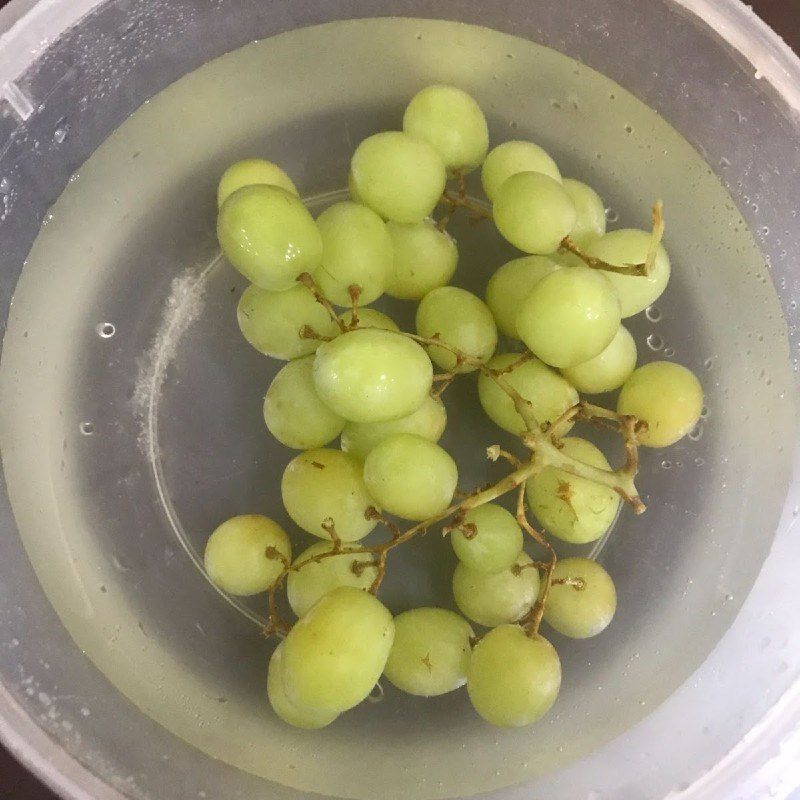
430 653
510 158
585 605
574 509
325 484
549 394
495 598
269 236
667 396
370 375
356 250
236 556
424 259
567 259
495 543
510 286
314 579
452 123
293 714
249 172
591 221
569 317
370 318
335 654
410 477
533 212
351 188
293 411
609 369
428 421
629 246
513 679
460 319
398 176
272 321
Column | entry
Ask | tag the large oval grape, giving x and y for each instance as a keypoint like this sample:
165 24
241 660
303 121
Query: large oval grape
511 158
590 222
490 540
609 369
249 172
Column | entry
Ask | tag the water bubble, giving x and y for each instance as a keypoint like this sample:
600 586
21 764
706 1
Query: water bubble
793 305
628 128
377 693
5 186
698 462
611 215
655 342
696 433
653 313
87 428
765 230
669 352
105 330
61 131
665 464
708 363
704 412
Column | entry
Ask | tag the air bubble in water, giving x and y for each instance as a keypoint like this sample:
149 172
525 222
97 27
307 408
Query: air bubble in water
696 433
628 128
708 363
669 352
655 342
704 412
5 186
698 462
87 428
105 330
665 464
653 313
611 215
377 693
61 131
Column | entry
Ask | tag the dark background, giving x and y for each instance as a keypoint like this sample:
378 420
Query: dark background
15 782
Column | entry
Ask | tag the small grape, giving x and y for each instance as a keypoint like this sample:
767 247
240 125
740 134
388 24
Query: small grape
237 557
356 251
272 321
428 421
510 286
549 394
591 221
496 598
494 544
292 713
533 212
667 396
370 318
628 246
608 370
410 477
294 414
574 509
424 259
430 653
452 123
314 579
511 158
583 609
335 654
569 317
398 176
371 375
460 319
324 484
268 235
513 679
249 172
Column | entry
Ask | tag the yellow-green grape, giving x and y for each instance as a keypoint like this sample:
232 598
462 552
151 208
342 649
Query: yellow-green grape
398 176
574 509
591 221
428 421
608 370
356 251
452 123
533 212
460 319
249 172
424 259
513 679
629 246
314 579
569 317
549 394
351 188
493 544
566 259
667 396
243 555
370 318
498 597
321 485
272 321
585 603
293 411
269 236
335 654
371 375
510 158
299 716
410 477
510 286
430 653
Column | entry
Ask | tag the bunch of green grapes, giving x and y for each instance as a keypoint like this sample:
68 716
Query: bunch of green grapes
352 376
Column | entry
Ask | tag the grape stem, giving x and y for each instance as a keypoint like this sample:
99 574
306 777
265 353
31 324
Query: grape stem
310 284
